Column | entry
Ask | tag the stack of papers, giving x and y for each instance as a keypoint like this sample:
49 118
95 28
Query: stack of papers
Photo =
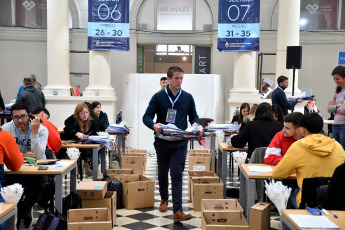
308 221
260 168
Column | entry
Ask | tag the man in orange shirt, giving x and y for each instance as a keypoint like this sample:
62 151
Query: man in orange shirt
54 142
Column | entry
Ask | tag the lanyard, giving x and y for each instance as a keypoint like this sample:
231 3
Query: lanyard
27 137
173 102
281 88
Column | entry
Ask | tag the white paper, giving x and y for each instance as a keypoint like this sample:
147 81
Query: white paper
309 221
260 168
199 168
60 164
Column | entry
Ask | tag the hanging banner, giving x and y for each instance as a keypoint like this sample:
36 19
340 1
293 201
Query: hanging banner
108 25
238 25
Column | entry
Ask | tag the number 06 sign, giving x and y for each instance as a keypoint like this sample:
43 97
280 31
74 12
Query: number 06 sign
108 25
239 25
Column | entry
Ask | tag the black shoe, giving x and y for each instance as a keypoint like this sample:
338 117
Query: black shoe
233 192
29 219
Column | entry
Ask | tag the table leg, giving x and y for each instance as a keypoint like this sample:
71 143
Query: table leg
224 170
123 146
243 188
285 224
10 219
213 153
250 196
73 180
103 160
58 192
95 163
220 157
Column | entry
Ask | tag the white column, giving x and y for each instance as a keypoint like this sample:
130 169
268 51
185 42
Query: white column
288 35
244 89
57 49
100 75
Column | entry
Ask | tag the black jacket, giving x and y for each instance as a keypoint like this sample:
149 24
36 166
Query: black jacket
104 122
72 127
31 97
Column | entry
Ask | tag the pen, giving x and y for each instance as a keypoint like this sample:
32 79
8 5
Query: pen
335 216
324 211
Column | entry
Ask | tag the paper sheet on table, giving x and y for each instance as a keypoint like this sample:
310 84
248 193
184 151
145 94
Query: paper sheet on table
260 168
60 164
308 221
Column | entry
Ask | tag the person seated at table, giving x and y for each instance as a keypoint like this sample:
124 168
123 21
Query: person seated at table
244 111
31 138
54 142
2 104
284 139
259 132
311 107
10 156
103 117
278 113
315 155
251 114
79 125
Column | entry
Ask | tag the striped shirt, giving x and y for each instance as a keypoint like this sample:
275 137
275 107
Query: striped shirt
339 113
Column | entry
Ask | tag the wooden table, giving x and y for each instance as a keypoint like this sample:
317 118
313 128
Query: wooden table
223 170
287 223
8 214
5 117
247 185
95 148
58 172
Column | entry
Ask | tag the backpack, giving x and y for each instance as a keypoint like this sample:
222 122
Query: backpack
72 201
46 199
51 221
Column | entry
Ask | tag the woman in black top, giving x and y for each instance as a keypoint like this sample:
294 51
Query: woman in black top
103 117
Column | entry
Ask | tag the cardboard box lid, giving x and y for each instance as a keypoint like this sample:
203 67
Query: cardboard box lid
261 206
225 218
140 179
198 151
119 171
201 173
220 205
132 160
136 150
125 177
89 215
199 154
135 154
91 185
205 180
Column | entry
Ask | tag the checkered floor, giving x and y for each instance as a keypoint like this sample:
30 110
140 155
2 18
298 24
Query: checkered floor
151 218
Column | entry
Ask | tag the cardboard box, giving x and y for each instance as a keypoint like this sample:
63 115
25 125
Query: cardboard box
89 219
137 154
125 177
135 163
260 216
109 202
92 190
198 174
119 171
197 151
205 188
226 220
220 205
199 161
139 193
136 151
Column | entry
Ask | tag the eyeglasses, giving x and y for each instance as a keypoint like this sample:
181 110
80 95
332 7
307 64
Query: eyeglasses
22 117
84 113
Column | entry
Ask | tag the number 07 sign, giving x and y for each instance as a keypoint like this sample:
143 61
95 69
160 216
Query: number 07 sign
239 25
108 25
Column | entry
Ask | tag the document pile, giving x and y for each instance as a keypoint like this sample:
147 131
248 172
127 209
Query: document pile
12 193
172 133
118 128
225 127
73 153
102 138
278 194
240 157
304 95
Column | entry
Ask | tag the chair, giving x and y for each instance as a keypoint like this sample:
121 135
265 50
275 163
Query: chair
258 158
336 188
309 191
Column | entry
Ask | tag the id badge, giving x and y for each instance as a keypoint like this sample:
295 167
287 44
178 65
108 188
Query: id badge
171 116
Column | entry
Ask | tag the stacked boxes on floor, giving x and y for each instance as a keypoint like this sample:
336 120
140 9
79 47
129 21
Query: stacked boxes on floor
135 159
94 196
199 160
205 188
197 174
222 214
89 218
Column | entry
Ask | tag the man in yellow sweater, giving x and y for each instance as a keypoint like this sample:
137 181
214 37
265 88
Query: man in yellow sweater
315 155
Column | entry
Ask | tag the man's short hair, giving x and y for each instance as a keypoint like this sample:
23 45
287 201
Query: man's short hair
340 70
294 118
174 69
281 79
164 78
312 122
18 106
27 81
39 109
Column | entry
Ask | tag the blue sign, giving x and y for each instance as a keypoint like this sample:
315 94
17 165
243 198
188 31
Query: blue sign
238 25
108 25
341 58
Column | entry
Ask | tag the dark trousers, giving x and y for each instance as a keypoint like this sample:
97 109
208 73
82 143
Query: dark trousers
171 155
33 186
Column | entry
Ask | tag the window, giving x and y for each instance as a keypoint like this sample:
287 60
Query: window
174 50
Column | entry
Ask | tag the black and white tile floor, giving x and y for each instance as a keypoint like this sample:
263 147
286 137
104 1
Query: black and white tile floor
151 218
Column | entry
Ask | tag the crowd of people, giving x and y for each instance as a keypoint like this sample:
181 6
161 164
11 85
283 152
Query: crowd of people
293 140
